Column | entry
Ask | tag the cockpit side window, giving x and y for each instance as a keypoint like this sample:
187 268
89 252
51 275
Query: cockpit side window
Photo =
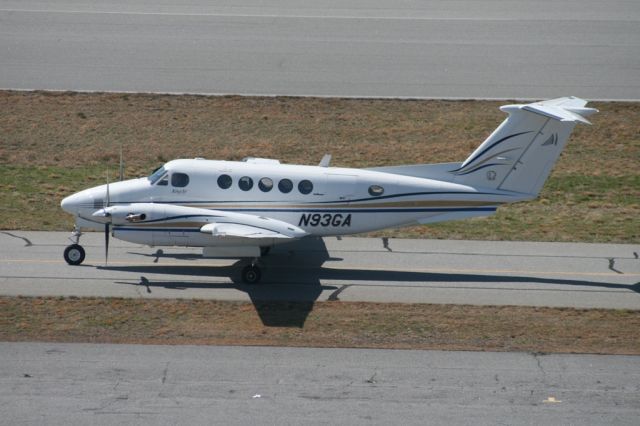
156 175
179 180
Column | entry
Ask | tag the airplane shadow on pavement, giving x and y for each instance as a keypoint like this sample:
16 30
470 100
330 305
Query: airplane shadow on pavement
292 278
277 305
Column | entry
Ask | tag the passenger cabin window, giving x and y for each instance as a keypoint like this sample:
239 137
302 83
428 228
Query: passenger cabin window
265 184
225 181
179 180
285 186
305 186
376 190
245 183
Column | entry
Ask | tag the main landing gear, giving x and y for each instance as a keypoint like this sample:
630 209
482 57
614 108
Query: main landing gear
251 273
74 254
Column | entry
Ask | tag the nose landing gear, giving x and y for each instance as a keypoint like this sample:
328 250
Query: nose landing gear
74 254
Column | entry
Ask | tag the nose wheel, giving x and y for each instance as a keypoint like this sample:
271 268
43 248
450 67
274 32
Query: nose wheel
74 254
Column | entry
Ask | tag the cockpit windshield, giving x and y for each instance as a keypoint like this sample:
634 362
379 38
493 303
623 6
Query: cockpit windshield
157 174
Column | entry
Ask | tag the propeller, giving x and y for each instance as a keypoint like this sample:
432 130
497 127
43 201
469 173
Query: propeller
107 224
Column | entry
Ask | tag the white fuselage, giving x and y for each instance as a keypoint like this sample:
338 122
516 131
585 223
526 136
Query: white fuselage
337 201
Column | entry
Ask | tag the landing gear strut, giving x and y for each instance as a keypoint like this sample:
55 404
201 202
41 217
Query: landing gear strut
74 254
251 274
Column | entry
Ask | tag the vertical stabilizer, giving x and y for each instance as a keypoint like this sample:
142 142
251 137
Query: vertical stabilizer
519 155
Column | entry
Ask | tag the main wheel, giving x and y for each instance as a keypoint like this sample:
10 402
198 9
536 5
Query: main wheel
74 254
251 274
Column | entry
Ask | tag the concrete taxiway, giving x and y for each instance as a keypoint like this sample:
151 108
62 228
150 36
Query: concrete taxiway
69 384
349 269
377 48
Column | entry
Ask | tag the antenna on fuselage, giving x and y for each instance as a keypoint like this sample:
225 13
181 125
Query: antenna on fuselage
325 161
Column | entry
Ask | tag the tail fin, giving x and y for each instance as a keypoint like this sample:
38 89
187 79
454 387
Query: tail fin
519 155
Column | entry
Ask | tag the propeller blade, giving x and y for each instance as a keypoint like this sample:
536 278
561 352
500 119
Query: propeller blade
107 224
106 243
108 196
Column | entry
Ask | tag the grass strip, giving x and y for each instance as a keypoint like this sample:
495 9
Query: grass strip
320 324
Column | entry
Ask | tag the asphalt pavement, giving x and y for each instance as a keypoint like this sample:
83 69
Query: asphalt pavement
521 49
350 269
79 384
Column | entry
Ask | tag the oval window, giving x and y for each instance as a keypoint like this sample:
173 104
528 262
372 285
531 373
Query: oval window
376 190
305 186
265 184
245 183
285 186
179 180
224 181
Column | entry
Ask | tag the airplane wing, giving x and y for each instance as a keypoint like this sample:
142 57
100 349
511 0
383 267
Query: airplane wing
221 225
222 230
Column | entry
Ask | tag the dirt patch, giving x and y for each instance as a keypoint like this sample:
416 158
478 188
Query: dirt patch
323 324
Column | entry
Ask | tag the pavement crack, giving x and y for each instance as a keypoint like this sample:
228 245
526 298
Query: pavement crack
333 297
612 264
372 379
164 373
536 356
27 242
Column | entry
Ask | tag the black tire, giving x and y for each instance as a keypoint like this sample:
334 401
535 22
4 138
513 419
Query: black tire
74 254
251 274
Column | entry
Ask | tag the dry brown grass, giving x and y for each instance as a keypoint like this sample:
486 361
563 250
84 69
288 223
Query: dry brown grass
73 129
325 324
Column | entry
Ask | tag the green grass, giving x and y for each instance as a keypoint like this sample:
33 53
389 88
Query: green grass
570 208
30 196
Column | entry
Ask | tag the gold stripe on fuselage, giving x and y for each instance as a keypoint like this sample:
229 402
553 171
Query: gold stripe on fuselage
401 204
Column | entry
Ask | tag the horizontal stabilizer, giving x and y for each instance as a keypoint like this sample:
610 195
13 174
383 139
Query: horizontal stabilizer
563 109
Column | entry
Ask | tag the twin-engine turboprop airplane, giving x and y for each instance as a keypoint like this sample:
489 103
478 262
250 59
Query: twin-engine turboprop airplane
241 209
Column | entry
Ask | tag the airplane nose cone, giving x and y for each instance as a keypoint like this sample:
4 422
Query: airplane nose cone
73 203
67 204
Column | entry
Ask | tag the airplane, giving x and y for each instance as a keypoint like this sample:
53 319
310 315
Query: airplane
240 209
